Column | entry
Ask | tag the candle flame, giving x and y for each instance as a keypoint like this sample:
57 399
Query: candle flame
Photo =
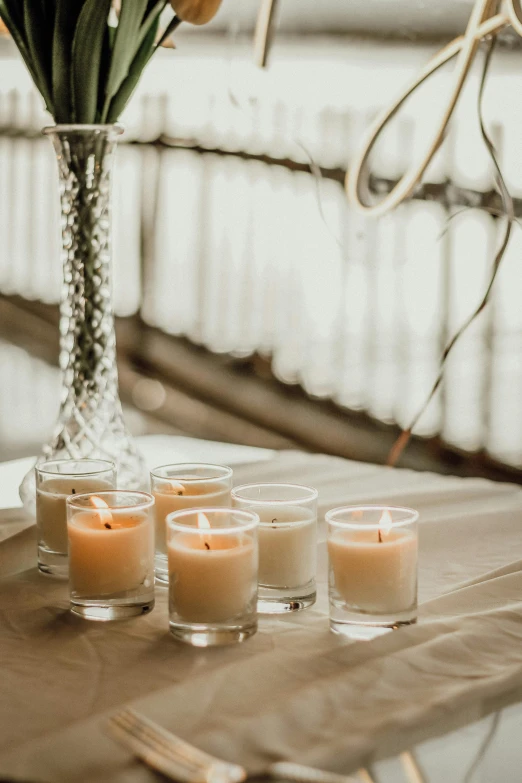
385 524
176 488
104 514
204 524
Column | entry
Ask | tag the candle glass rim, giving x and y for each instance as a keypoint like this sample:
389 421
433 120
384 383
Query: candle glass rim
411 517
147 500
109 466
227 472
312 494
173 524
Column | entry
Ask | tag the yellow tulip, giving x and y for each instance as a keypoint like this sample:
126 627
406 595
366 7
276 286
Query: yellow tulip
196 11
3 29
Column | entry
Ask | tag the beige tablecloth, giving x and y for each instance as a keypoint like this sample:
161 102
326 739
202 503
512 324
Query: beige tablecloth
294 690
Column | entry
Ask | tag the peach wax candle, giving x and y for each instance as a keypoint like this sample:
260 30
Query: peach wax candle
213 564
55 481
372 554
176 487
111 554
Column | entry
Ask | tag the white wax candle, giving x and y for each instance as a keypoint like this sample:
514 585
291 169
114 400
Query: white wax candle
214 584
374 576
287 545
174 495
110 552
51 518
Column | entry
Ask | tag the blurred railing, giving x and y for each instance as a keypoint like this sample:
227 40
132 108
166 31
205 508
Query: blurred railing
224 235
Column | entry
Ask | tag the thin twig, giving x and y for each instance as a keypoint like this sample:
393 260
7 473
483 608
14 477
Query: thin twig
463 210
507 203
315 171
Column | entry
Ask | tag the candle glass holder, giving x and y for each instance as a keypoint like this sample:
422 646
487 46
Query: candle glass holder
287 543
373 554
55 481
213 566
111 554
177 487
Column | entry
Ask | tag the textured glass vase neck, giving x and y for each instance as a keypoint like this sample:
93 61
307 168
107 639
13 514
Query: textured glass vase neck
91 421
87 355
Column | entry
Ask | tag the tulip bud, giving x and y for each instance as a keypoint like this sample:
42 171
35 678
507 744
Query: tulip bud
3 29
196 11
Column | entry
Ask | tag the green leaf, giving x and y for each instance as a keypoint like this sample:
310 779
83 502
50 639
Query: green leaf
112 36
125 46
14 23
141 59
38 32
86 58
172 25
66 19
152 16
48 11
13 11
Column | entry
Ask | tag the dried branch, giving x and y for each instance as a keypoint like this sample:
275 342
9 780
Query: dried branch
507 204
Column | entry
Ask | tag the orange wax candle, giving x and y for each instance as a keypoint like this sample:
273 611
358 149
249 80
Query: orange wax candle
110 552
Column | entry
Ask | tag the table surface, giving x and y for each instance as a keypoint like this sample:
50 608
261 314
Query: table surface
294 690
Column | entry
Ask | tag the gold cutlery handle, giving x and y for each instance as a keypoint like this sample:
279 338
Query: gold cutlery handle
287 770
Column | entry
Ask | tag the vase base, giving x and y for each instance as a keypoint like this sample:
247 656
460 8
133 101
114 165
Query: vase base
130 466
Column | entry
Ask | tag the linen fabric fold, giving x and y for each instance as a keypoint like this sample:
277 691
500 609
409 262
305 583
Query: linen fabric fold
295 691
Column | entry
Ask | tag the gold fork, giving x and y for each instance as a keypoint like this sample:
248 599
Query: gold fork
178 760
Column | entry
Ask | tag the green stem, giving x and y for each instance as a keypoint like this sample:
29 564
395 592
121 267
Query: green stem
171 27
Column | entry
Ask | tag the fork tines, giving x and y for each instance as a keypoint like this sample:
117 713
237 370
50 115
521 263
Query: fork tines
168 753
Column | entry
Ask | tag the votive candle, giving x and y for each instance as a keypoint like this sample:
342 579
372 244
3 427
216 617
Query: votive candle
213 566
111 554
287 543
180 486
55 481
373 554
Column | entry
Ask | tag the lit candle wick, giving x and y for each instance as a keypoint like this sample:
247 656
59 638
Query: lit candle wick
104 515
176 488
204 524
385 525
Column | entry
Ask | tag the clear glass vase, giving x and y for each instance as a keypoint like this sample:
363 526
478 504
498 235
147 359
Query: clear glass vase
90 422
